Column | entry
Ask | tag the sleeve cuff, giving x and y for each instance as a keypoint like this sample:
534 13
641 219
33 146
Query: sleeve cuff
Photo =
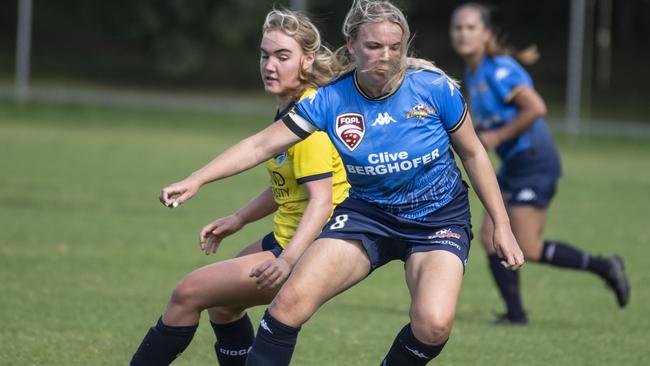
460 121
314 177
513 93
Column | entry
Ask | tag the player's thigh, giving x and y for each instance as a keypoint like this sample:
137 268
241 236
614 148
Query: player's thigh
228 283
230 313
327 268
255 247
434 280
527 222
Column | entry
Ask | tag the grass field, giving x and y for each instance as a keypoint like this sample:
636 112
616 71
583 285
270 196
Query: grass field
88 257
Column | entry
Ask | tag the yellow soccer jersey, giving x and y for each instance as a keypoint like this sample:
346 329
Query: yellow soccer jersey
311 159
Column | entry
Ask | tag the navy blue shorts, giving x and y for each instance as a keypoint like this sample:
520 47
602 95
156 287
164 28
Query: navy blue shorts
387 237
530 178
270 244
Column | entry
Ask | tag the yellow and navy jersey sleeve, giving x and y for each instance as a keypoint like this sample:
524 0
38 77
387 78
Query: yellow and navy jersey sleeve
309 160
312 159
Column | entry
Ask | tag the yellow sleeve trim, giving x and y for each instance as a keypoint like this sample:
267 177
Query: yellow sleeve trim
513 93
460 121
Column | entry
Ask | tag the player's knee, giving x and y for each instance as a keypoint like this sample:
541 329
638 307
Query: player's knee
431 327
486 238
290 308
185 294
532 249
223 315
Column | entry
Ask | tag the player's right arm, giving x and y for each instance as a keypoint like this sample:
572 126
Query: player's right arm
241 157
213 233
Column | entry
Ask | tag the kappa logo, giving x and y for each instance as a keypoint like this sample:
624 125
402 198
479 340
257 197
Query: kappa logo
420 111
451 87
501 73
383 119
265 326
350 129
526 194
444 234
417 353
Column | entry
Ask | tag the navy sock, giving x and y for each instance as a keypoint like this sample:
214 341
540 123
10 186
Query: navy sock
234 341
564 255
162 345
508 283
408 350
274 343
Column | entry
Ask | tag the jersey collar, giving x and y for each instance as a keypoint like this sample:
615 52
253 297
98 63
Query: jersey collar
386 96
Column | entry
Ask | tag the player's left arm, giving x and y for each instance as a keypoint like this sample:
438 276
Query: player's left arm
531 107
273 273
481 174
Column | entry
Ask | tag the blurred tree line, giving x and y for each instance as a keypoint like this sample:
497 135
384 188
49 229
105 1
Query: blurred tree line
215 42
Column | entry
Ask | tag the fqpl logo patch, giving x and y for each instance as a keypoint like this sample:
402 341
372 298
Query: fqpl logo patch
350 129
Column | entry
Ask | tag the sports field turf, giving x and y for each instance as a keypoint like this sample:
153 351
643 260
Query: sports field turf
88 257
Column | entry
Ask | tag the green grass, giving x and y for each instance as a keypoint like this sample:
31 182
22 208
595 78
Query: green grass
88 257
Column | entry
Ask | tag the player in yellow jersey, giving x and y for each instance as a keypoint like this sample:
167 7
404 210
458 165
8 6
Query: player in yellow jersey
307 181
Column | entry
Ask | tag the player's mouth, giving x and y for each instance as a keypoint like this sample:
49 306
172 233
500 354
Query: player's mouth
270 79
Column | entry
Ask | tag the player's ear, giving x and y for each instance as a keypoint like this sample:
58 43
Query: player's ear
308 61
348 44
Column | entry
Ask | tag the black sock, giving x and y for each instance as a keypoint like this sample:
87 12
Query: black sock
234 341
508 283
162 345
564 255
274 343
408 350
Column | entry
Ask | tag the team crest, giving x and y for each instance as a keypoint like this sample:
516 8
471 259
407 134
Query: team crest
420 111
279 160
350 129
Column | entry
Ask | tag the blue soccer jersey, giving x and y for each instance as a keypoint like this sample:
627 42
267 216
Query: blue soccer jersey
396 148
492 86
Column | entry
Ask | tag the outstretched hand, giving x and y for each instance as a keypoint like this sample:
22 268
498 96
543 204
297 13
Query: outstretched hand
213 233
507 248
179 192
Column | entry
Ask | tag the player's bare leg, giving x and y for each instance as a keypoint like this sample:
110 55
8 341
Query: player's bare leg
327 268
434 280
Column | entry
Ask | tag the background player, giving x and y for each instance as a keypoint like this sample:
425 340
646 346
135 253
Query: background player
393 119
509 113
306 180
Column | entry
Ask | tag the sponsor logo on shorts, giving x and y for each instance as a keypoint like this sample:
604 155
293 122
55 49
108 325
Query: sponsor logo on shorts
444 234
447 242
526 195
350 129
